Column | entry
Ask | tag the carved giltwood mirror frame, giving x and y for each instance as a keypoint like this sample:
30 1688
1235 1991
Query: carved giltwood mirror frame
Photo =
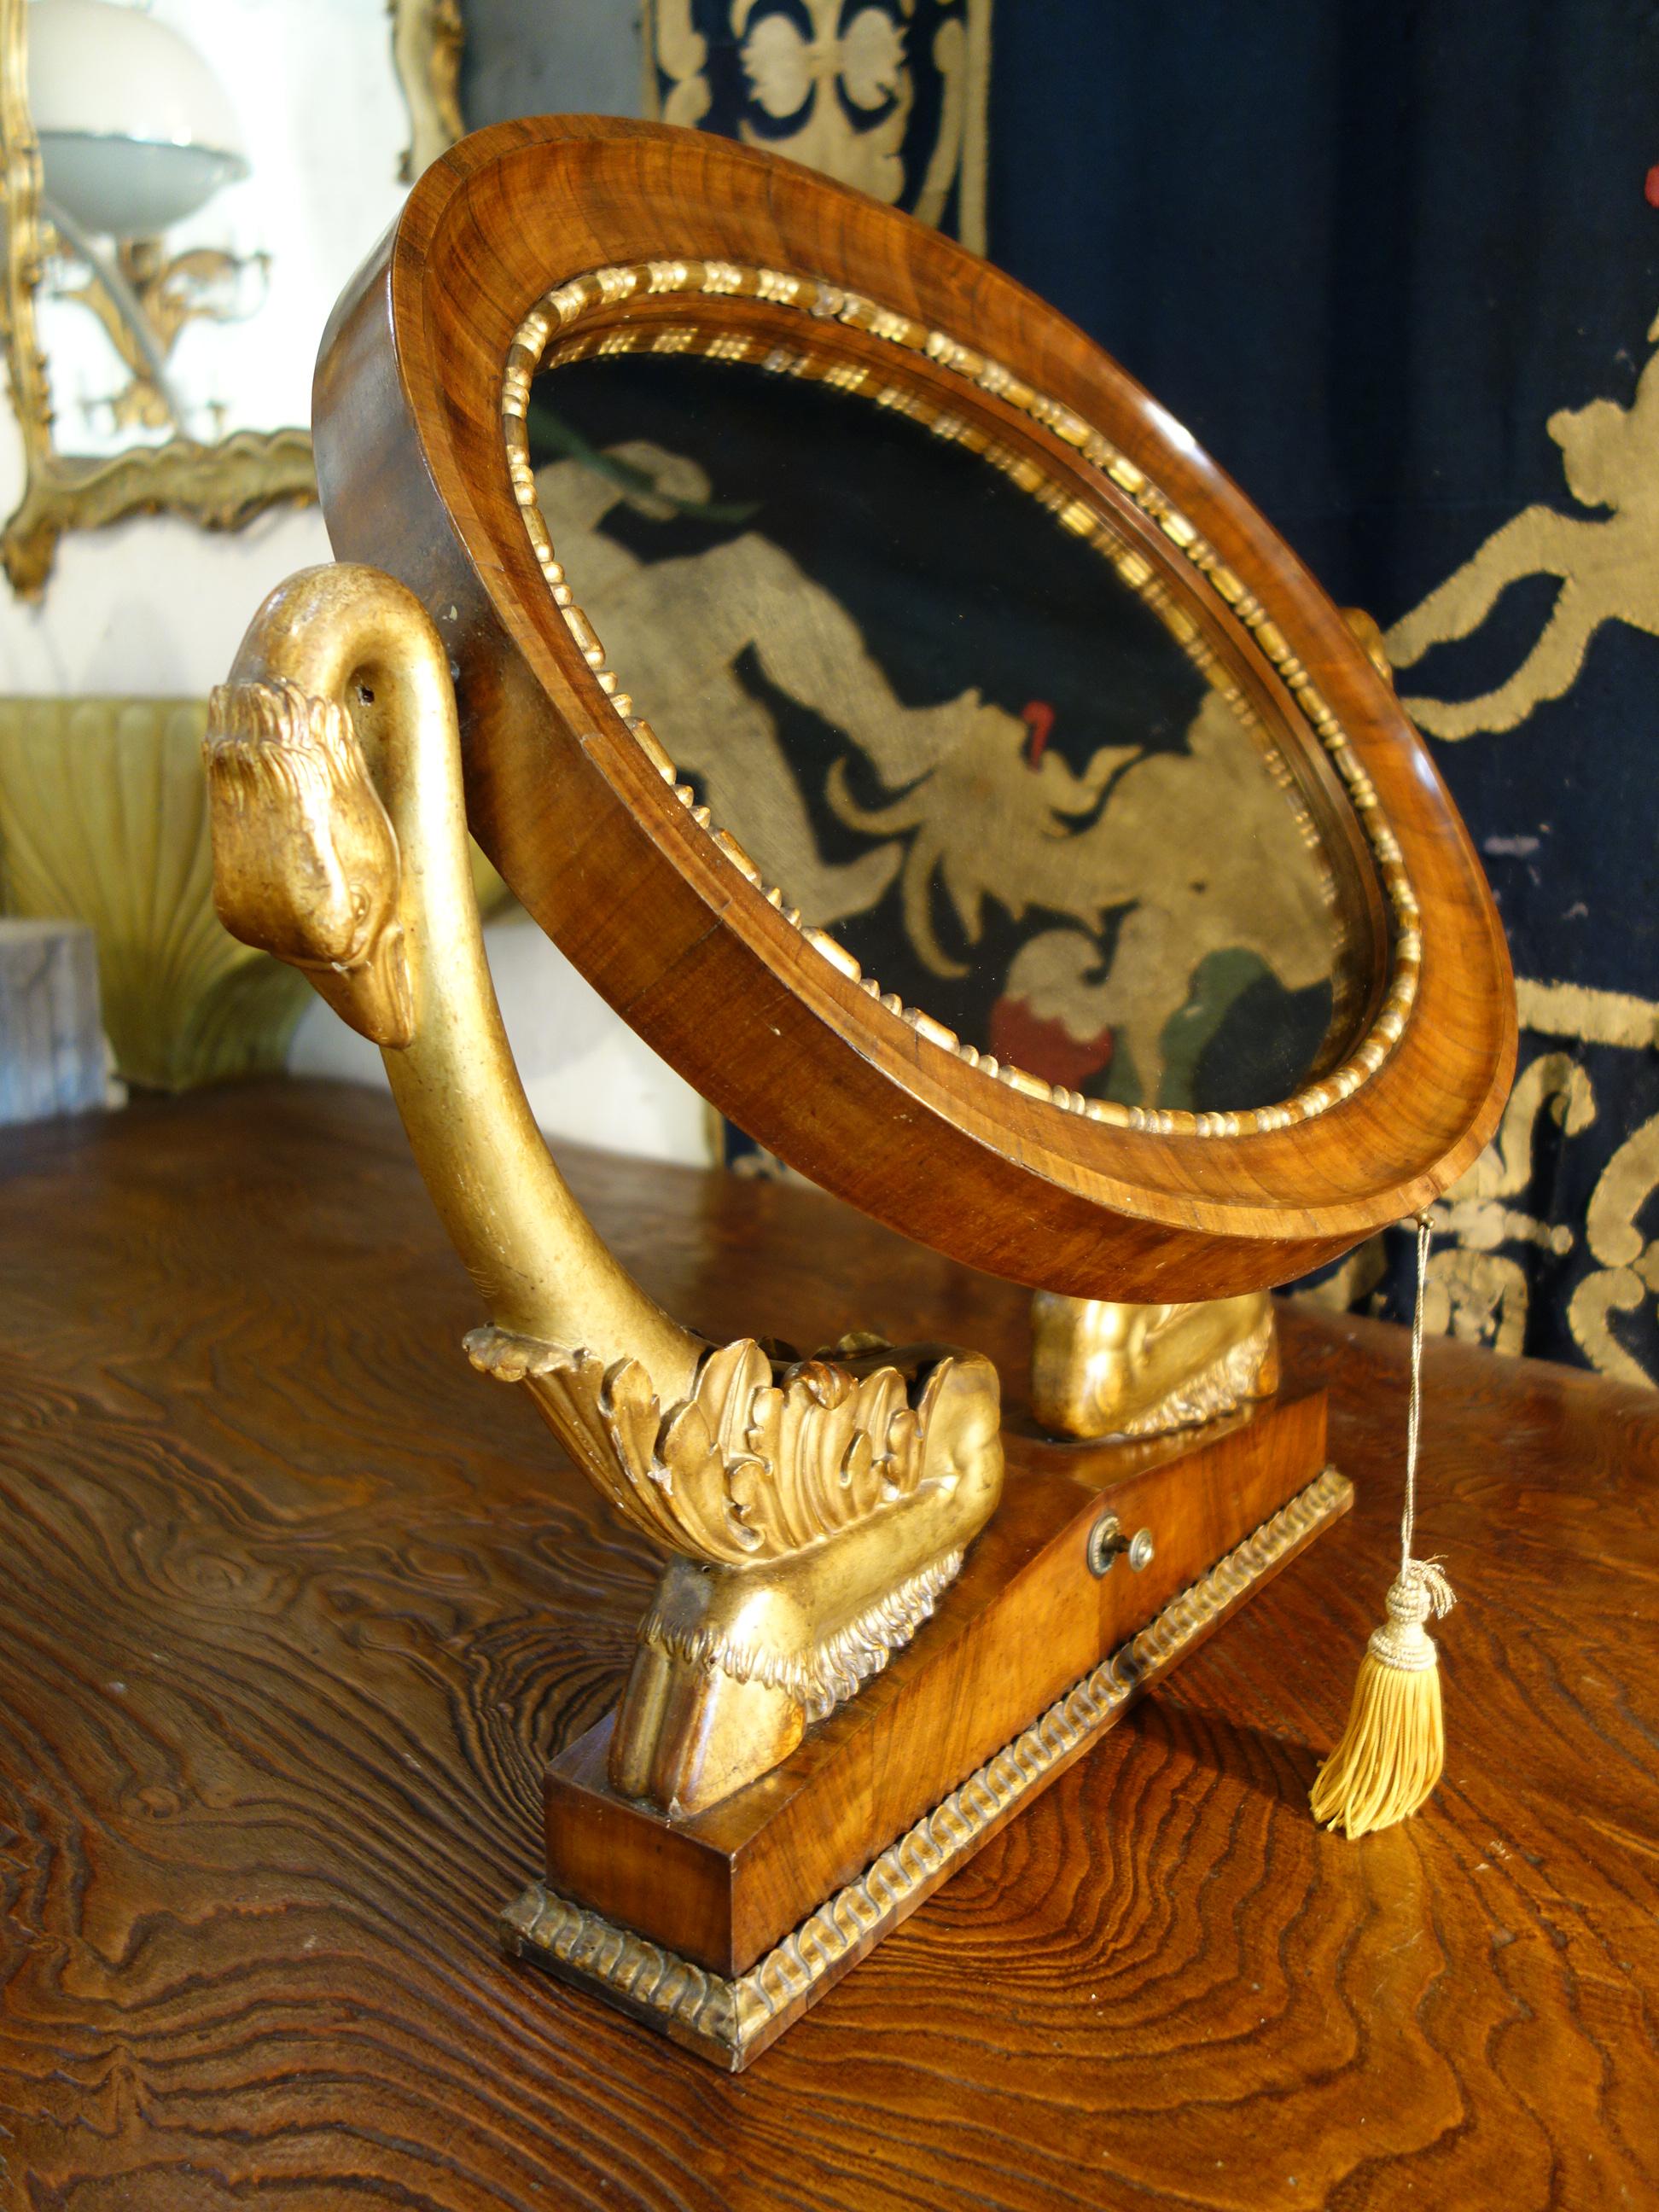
220 485
535 242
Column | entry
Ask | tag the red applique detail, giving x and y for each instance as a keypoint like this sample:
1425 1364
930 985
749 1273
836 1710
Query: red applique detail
1047 1048
1039 719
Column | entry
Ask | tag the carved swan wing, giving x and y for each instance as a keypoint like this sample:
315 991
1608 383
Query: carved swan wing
761 1461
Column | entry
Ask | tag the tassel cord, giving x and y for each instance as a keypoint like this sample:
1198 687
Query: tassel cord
1414 1407
1389 1756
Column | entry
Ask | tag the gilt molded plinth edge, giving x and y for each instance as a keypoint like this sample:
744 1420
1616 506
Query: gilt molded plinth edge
730 2021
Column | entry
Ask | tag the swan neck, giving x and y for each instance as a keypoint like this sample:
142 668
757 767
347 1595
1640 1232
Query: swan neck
356 636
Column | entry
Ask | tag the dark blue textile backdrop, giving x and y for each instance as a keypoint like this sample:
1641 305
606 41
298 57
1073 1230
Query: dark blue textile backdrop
1366 254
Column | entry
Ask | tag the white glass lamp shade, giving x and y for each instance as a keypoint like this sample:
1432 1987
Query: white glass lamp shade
135 133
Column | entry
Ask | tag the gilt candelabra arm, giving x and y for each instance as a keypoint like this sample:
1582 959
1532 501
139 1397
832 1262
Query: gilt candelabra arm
812 1511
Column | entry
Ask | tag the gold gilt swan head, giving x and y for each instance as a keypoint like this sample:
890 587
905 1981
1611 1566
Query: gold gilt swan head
304 857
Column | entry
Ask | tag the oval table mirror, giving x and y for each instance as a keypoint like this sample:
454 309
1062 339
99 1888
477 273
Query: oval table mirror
903 723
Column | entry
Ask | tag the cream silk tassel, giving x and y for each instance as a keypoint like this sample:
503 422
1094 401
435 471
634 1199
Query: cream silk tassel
1391 1753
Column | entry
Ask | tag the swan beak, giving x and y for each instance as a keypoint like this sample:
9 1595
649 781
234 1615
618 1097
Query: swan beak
373 996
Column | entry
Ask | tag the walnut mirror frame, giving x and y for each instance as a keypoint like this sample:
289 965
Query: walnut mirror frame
541 234
221 485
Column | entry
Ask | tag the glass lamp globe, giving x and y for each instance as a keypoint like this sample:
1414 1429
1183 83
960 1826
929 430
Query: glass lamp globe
136 131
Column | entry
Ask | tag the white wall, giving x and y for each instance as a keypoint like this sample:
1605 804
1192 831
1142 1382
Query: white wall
154 608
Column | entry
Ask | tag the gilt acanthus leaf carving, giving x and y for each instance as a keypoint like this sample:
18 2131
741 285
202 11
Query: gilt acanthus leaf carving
761 1461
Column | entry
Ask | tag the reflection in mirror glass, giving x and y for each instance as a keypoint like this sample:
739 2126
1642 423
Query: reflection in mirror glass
949 731
214 172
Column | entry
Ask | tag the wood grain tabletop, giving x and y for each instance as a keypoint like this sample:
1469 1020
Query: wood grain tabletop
294 1606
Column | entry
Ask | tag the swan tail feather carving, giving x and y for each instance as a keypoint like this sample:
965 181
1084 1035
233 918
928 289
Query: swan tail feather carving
814 1510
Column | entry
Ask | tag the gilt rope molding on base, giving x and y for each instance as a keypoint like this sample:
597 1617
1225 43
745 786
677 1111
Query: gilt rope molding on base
733 2021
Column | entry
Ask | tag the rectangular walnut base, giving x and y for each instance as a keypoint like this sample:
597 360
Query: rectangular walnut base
1027 1618
730 2019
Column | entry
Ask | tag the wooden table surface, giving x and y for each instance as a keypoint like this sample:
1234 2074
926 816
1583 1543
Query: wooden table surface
295 1606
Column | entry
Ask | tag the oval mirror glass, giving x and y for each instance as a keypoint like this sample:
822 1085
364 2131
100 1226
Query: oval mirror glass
965 731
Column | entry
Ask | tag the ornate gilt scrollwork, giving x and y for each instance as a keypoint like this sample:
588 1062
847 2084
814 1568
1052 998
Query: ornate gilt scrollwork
811 1510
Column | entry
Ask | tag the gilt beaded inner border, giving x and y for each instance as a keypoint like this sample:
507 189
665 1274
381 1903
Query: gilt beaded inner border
552 331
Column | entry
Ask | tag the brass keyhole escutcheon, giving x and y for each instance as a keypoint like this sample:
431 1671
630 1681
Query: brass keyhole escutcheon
1107 1543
